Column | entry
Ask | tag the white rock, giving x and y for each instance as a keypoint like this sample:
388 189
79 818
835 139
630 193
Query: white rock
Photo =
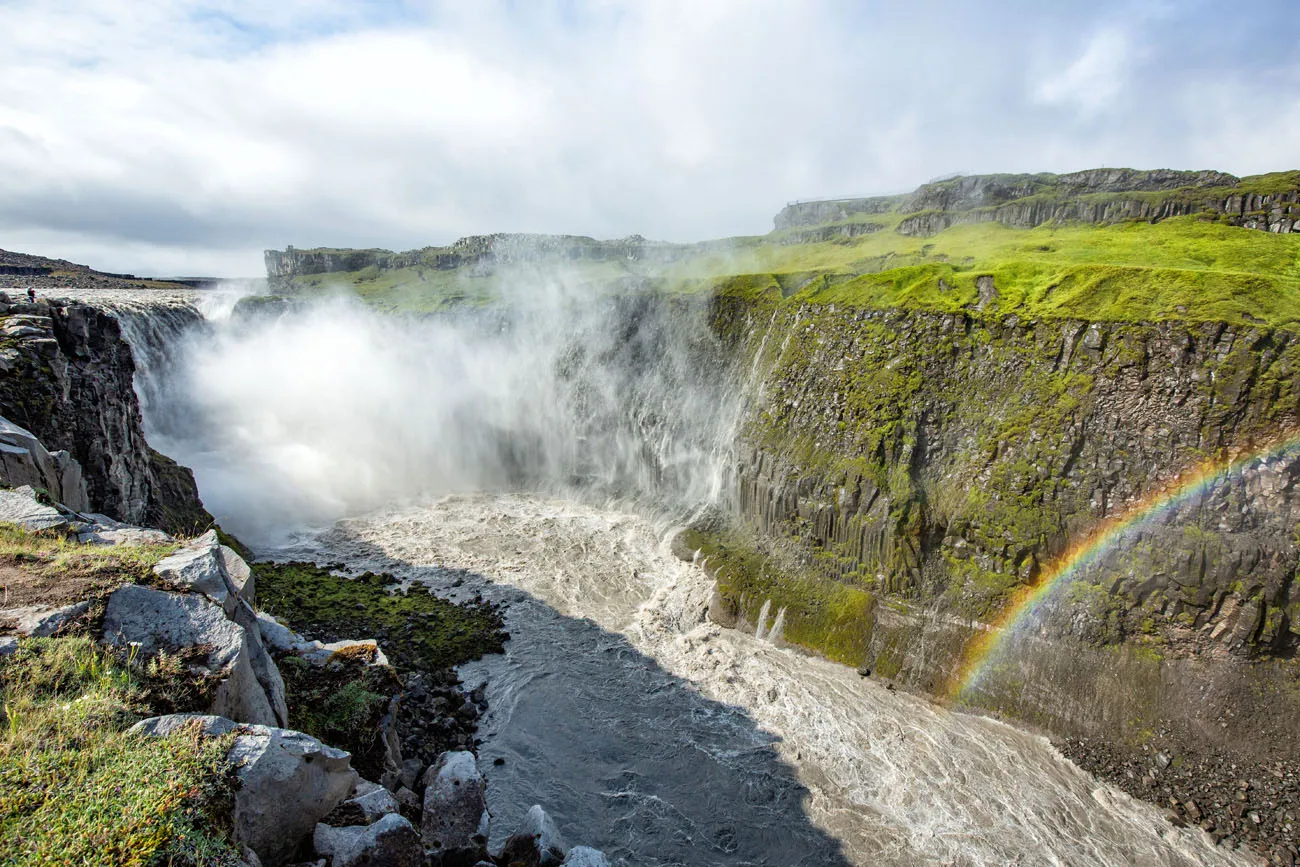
198 568
98 534
239 574
455 817
289 781
319 654
161 726
41 622
264 667
538 842
585 856
281 638
389 842
26 512
374 804
158 620
25 461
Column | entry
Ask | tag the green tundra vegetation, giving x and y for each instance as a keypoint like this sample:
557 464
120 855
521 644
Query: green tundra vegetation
76 788
1189 268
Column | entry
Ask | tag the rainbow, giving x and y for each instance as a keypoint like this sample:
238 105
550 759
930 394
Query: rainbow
984 648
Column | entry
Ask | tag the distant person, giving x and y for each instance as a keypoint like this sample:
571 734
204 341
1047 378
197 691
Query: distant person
31 294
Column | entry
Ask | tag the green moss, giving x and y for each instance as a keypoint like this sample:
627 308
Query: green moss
416 629
76 789
821 615
342 704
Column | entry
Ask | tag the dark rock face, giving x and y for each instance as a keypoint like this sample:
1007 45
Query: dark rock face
67 376
934 464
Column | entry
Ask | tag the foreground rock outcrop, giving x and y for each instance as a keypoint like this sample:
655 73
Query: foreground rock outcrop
194 615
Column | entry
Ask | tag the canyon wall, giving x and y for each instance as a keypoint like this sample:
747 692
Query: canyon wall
478 254
67 375
903 476
1093 196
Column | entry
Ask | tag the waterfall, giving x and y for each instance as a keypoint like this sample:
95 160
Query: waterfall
778 628
762 619
298 417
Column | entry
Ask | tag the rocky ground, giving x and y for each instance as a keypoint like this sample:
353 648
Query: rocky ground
1255 805
278 747
89 286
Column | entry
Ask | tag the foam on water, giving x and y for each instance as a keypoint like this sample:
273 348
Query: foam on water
891 777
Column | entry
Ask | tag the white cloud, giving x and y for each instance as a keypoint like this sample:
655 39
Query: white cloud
186 136
1095 79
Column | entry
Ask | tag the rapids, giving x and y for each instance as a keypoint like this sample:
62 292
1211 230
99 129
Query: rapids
664 739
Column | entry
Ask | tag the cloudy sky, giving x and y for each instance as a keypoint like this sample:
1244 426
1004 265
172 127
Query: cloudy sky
185 137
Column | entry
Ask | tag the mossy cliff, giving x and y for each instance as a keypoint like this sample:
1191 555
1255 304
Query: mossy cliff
1270 202
903 474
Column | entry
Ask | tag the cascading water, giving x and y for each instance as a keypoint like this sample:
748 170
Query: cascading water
539 457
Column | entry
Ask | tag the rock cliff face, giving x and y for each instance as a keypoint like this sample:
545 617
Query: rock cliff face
911 473
479 253
66 375
1094 196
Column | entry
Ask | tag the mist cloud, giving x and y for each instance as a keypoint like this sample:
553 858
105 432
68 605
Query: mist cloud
184 137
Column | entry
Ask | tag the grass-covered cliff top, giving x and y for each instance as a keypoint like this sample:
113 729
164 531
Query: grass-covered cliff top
1206 265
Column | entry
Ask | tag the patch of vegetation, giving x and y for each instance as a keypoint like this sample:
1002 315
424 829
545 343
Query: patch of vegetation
1181 268
416 629
341 704
50 569
75 788
832 618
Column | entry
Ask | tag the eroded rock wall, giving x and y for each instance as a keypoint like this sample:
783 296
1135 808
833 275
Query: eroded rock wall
913 472
67 376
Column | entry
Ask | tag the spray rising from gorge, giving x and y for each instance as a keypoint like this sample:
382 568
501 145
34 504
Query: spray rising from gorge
294 418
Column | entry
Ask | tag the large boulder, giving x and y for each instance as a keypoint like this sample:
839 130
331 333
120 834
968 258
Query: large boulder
200 567
207 567
455 821
289 781
156 620
23 509
391 841
537 844
25 461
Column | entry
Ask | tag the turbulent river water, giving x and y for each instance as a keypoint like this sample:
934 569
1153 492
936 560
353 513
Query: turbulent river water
664 739
337 435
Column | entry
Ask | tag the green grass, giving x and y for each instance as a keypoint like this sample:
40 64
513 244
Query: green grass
52 569
1183 268
341 704
416 629
76 789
